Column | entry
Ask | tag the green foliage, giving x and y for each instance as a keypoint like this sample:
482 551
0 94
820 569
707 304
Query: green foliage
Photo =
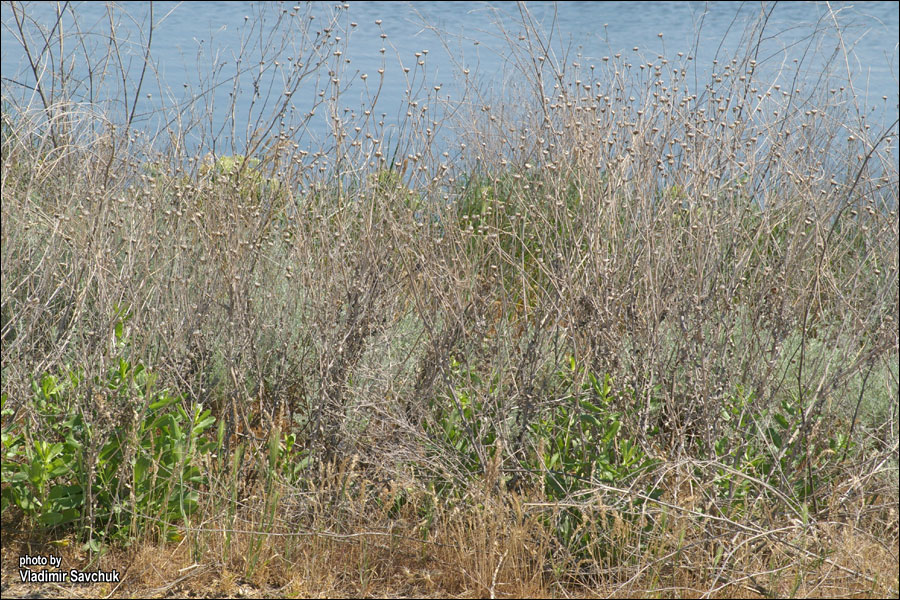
511 218
580 444
33 466
287 458
125 456
8 135
247 175
574 446
456 427
761 444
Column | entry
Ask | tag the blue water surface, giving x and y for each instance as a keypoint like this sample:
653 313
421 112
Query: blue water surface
456 53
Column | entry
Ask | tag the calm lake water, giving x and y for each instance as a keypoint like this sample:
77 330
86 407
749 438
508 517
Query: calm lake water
444 44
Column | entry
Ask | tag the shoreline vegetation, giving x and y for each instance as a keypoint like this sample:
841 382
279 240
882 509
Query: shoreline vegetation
620 332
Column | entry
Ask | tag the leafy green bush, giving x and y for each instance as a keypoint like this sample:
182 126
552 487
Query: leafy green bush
766 445
580 445
575 445
464 420
118 477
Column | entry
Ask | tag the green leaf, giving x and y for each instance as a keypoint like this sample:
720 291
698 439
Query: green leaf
203 423
50 518
554 460
775 437
720 550
164 401
591 420
612 431
58 469
782 421
141 468
66 496
49 386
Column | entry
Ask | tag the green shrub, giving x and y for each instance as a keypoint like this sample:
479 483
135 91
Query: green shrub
766 445
138 476
575 445
581 444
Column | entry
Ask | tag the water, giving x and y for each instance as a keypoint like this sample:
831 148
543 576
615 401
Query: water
471 54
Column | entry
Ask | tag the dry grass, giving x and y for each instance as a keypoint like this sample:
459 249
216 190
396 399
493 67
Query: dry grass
490 547
404 341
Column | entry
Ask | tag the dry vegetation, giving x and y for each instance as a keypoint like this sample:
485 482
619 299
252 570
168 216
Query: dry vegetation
621 332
